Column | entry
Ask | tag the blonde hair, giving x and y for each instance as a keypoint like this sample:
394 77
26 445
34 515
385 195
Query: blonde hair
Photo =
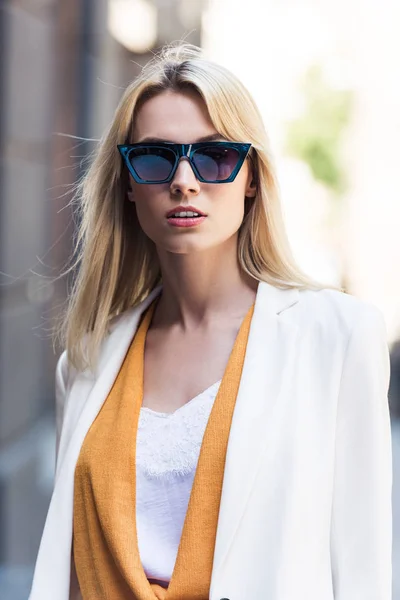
118 264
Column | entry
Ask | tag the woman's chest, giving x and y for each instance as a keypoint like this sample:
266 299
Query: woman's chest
179 367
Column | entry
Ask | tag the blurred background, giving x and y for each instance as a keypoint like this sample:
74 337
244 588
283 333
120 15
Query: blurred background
326 78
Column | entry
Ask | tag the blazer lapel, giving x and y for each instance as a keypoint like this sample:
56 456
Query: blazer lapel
270 354
82 411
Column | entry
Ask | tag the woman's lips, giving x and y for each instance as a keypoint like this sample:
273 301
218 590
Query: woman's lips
185 221
184 209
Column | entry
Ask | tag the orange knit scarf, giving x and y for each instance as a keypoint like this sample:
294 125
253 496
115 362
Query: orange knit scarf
105 542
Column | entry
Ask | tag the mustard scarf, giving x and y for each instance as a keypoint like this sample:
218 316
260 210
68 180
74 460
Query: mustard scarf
105 544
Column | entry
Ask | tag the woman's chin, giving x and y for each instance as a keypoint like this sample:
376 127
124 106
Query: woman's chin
183 247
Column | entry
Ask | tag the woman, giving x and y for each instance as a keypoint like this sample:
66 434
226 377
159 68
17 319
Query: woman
222 420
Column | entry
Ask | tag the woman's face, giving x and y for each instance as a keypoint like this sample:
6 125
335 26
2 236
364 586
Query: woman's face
183 118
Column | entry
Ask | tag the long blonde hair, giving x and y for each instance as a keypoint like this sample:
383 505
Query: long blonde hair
116 264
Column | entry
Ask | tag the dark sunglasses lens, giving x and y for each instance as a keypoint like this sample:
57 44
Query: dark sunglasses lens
216 163
152 164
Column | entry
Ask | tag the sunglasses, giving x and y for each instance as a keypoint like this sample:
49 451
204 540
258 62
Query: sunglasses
156 162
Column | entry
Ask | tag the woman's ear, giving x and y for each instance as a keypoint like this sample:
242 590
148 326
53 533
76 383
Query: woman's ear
252 179
250 192
251 187
129 193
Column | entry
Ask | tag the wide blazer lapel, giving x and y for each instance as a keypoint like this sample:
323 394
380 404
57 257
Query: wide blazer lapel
267 370
269 359
89 390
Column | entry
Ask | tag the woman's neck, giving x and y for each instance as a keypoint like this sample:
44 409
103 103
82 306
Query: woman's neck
202 288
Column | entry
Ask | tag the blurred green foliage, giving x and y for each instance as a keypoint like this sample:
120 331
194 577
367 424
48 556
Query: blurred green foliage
316 136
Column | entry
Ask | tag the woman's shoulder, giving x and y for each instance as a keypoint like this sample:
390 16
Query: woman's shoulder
336 310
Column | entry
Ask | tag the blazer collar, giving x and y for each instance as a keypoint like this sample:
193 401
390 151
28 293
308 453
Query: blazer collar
270 301
274 300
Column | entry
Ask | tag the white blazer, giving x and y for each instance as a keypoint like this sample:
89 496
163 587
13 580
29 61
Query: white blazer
306 511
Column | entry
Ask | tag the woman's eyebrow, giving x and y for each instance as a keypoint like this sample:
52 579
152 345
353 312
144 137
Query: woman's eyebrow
208 138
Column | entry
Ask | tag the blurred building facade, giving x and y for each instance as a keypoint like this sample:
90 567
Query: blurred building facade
63 66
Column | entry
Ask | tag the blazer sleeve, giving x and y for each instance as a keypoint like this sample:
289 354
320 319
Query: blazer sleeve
60 392
361 525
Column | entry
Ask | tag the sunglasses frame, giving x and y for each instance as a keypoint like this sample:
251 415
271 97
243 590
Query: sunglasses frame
184 151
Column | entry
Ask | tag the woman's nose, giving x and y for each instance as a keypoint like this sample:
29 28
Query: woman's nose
184 180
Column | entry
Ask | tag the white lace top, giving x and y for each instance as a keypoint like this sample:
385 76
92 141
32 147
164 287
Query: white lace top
167 451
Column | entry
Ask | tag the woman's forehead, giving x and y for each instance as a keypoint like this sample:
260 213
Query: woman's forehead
170 116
